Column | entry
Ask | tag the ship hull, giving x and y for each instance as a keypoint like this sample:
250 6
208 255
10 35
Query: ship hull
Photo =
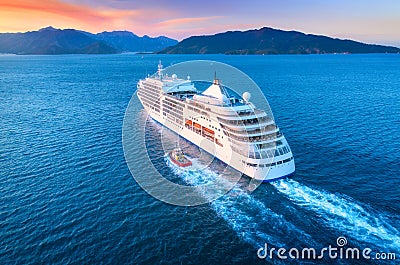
225 154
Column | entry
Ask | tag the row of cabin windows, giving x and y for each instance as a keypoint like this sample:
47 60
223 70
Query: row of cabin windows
151 105
194 109
154 96
207 119
178 111
153 99
172 114
252 139
178 120
271 164
174 102
152 87
171 106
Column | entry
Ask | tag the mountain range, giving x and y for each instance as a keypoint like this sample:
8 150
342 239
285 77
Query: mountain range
271 41
260 41
70 41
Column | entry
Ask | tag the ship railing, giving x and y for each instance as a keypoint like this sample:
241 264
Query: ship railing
265 130
235 113
266 139
266 154
275 150
245 113
255 133
254 121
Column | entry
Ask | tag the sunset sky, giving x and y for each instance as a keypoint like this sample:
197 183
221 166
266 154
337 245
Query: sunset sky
363 20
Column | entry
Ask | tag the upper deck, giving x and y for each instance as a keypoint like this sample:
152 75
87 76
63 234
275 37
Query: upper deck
216 98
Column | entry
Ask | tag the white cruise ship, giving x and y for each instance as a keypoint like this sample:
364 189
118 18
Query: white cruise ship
220 122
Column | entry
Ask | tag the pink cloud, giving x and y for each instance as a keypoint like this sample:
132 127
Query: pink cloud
177 22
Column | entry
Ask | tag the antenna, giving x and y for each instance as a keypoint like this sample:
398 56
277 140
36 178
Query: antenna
160 68
216 81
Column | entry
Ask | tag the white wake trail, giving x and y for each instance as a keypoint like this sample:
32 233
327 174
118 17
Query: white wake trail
343 214
247 216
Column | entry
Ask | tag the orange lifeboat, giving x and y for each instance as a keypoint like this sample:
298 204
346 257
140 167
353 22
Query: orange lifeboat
178 158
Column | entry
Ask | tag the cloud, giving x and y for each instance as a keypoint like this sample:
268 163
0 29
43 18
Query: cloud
180 22
29 14
24 15
53 7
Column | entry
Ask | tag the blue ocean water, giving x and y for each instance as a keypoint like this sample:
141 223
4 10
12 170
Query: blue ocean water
67 195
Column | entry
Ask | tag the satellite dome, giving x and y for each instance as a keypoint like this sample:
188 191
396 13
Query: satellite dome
246 96
174 76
